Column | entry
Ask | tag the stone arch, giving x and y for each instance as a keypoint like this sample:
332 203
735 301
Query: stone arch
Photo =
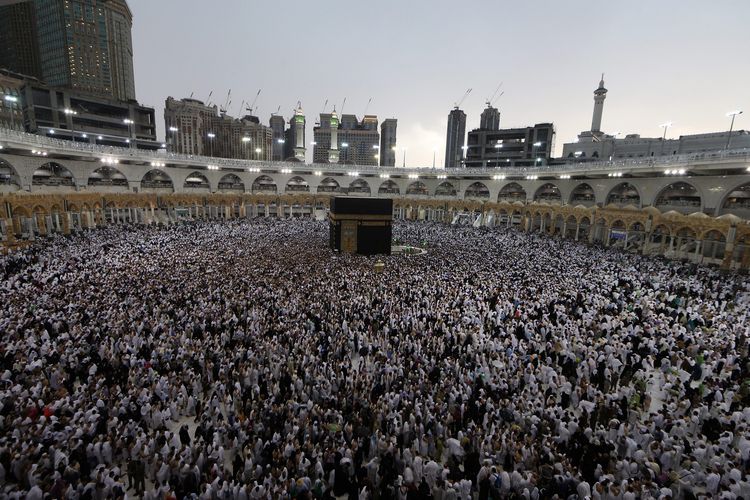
359 186
8 174
157 179
736 201
446 188
329 185
107 176
679 196
583 194
623 194
549 193
389 187
297 185
512 192
417 188
231 183
264 184
477 190
196 181
53 174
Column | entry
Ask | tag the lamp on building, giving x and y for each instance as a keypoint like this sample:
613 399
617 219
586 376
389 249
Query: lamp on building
257 153
733 114
129 123
211 136
665 126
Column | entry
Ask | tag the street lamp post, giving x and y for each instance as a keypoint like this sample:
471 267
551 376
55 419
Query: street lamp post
345 151
129 123
245 141
733 114
533 152
665 126
173 131
211 136
404 163
12 101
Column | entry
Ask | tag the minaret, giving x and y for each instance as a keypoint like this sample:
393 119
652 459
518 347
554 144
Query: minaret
333 151
298 122
599 95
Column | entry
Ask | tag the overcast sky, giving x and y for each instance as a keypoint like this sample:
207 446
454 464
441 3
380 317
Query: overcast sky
668 60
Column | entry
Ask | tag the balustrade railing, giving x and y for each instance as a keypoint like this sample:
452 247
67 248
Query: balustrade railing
35 141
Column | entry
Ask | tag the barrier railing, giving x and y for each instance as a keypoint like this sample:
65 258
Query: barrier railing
41 142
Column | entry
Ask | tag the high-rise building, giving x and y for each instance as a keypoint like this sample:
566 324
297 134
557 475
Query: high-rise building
388 143
197 129
350 141
119 22
523 146
455 140
19 49
11 100
84 45
83 117
277 124
297 135
490 119
187 122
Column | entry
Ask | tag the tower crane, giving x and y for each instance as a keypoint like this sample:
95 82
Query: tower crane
252 107
223 109
491 100
341 112
208 99
458 104
367 107
277 111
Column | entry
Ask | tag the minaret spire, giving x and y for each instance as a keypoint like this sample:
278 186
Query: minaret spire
599 95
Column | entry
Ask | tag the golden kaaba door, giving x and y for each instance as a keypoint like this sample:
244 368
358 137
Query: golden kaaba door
349 236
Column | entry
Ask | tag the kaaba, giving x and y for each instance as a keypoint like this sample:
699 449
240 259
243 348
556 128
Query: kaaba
361 225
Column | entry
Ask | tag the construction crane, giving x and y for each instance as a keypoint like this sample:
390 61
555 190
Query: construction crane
242 106
208 100
342 106
490 100
252 107
458 104
277 111
223 110
367 107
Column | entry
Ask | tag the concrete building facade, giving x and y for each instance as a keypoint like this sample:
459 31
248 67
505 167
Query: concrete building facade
388 142
523 146
197 129
455 140
84 45
82 117
348 140
594 144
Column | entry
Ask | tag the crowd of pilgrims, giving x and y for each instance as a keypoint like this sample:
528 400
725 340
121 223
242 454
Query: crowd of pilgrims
246 360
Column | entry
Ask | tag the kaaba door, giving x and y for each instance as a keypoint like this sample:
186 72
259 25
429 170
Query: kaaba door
348 236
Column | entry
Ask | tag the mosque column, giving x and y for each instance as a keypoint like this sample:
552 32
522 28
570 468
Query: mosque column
745 261
267 210
243 211
10 238
578 229
697 257
41 225
66 223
